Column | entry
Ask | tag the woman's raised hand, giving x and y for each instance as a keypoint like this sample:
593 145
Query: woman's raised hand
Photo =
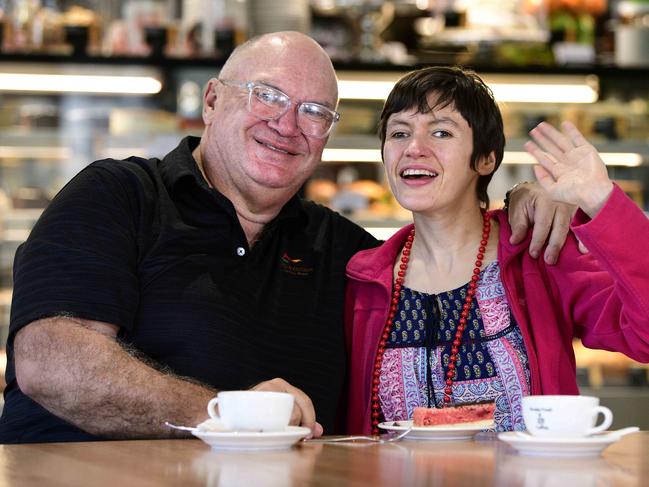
569 167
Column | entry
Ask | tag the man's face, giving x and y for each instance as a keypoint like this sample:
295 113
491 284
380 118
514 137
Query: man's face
269 154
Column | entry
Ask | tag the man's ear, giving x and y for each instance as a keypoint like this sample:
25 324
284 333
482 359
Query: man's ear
209 101
487 165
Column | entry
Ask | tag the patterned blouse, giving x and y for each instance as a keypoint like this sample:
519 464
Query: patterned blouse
492 363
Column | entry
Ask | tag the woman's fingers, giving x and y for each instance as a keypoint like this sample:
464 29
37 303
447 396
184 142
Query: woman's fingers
575 135
551 167
551 140
544 178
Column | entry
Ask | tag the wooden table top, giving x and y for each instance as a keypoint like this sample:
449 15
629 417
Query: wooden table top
192 463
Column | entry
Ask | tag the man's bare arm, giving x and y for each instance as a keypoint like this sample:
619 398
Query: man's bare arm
76 369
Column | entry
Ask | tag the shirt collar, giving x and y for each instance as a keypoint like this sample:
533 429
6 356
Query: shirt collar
178 168
180 165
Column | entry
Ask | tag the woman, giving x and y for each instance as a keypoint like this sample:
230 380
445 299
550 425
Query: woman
447 311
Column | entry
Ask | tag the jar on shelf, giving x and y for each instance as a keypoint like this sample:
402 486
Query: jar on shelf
632 34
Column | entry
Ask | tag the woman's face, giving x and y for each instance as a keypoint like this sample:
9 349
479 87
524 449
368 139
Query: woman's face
427 159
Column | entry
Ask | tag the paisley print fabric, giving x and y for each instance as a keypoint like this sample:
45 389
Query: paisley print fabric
492 363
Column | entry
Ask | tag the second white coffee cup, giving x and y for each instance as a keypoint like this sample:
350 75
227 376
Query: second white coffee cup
252 410
564 416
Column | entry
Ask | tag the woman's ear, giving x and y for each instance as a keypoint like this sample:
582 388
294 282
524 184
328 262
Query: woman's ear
487 165
209 101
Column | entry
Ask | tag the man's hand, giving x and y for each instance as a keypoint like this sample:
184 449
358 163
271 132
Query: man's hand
303 410
530 205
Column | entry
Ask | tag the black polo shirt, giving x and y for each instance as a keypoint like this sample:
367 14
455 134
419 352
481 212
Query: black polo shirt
148 246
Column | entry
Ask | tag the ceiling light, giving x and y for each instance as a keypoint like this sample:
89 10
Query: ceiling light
58 153
351 155
630 159
83 79
543 93
506 88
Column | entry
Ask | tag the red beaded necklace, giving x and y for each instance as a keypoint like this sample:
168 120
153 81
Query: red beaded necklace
396 294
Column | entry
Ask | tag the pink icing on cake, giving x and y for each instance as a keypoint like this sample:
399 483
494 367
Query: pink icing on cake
459 414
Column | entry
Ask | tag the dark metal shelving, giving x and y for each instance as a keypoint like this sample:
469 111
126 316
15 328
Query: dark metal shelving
604 70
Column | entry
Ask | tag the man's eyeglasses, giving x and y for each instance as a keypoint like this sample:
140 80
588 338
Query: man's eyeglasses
269 103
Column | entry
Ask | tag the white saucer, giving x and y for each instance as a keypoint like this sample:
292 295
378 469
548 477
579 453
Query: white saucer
527 444
464 431
251 440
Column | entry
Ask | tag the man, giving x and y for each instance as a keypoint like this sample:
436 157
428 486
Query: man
148 285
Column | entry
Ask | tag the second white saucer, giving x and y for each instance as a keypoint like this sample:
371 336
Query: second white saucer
558 447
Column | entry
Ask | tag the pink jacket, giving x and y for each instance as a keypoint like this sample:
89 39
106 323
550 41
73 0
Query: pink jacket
601 297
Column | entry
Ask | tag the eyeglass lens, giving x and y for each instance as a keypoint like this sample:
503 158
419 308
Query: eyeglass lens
269 103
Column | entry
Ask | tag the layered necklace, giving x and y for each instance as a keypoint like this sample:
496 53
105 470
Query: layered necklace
451 373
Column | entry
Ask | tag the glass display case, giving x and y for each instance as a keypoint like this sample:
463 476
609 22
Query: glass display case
47 135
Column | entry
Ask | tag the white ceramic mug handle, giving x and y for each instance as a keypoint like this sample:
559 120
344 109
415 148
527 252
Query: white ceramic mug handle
211 409
608 419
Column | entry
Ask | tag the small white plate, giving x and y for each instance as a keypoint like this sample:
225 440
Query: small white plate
527 444
449 432
248 440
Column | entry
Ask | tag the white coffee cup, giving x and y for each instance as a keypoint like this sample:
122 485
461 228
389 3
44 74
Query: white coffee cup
252 410
564 416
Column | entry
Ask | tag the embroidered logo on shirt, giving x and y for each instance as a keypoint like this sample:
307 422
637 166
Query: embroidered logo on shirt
295 267
287 260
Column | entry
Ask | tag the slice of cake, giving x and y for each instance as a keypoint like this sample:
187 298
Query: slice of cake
472 415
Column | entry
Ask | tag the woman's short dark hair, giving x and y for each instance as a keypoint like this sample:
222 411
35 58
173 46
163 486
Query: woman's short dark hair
470 96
